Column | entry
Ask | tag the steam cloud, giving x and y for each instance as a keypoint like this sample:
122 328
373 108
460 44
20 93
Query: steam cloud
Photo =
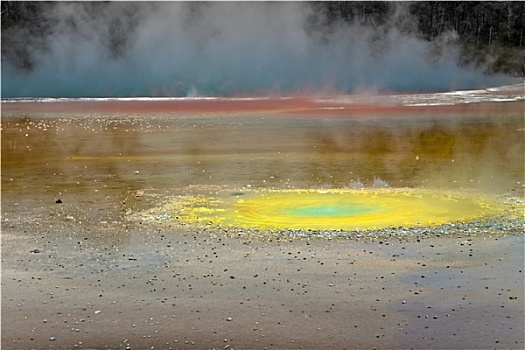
195 48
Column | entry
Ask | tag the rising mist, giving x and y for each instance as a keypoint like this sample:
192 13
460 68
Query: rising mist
224 49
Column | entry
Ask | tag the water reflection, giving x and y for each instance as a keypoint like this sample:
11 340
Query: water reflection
38 169
127 153
29 141
484 152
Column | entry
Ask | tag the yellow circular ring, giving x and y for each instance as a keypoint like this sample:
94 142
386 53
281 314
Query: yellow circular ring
333 209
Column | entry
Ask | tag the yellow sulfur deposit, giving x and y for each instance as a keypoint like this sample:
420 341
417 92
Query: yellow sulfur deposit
330 209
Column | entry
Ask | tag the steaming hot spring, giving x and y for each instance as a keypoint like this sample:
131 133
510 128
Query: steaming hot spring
341 209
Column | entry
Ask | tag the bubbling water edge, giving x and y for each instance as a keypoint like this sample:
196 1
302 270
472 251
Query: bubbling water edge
308 211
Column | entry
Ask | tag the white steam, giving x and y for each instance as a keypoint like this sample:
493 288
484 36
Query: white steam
179 49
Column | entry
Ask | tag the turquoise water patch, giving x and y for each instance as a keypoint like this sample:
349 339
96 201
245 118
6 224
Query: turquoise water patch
327 211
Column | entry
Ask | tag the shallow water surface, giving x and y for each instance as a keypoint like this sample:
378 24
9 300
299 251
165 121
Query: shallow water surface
106 156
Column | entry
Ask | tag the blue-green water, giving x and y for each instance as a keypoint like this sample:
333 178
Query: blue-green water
328 211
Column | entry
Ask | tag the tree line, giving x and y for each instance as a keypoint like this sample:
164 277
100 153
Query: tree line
475 22
488 33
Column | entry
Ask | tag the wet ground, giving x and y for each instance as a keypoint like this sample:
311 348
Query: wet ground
80 271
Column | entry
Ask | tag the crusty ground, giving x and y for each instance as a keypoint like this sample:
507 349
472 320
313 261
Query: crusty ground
120 285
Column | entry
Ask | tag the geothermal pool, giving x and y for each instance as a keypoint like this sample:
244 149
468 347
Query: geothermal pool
331 209
342 163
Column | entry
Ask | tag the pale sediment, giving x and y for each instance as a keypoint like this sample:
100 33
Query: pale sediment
493 227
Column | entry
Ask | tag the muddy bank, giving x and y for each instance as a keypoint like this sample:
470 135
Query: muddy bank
68 286
74 277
